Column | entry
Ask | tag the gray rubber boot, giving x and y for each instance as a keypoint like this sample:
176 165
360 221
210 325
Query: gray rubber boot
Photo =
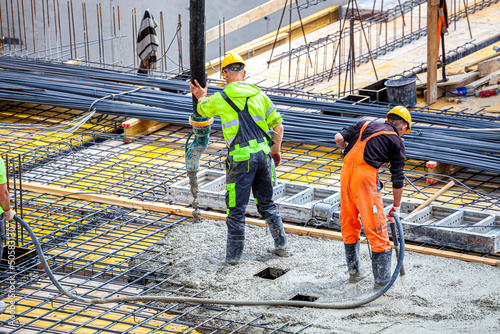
381 266
278 233
234 247
352 260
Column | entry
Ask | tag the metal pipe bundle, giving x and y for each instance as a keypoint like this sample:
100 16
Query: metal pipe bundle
78 88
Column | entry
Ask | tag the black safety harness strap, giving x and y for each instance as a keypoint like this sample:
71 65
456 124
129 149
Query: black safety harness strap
245 108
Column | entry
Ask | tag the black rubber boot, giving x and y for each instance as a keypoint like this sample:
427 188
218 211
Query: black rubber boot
381 266
234 247
278 233
352 260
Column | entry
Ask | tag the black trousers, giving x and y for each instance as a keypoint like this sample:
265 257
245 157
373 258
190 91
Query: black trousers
256 175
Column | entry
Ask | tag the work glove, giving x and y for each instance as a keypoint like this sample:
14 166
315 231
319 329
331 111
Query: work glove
9 214
396 209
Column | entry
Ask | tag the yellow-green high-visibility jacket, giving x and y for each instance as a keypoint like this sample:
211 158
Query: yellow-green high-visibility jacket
260 107
3 179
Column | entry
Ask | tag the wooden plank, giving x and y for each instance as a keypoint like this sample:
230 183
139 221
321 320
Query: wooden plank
432 50
494 79
435 196
493 109
188 212
472 66
488 66
458 79
434 167
483 81
265 43
245 19
459 66
135 126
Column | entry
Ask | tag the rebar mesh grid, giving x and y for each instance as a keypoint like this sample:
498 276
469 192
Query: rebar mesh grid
34 143
143 167
97 251
90 245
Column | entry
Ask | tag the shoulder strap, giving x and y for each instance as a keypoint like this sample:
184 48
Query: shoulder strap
375 134
363 130
230 102
381 133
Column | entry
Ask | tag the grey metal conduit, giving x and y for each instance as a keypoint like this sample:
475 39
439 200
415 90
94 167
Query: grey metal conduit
148 298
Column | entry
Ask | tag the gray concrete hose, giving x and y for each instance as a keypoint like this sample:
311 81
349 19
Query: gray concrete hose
148 298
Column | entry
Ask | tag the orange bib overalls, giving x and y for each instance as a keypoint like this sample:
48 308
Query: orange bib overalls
359 195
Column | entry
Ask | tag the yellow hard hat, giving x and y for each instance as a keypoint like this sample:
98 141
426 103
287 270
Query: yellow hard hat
403 113
231 58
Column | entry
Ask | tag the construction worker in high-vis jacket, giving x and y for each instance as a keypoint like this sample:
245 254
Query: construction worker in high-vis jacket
6 214
253 131
367 147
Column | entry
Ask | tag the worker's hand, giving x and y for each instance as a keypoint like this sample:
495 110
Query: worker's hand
276 155
396 209
197 90
9 214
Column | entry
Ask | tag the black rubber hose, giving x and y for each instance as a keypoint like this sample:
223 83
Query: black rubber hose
147 298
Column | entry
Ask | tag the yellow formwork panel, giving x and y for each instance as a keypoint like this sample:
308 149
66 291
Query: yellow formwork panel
49 317
94 241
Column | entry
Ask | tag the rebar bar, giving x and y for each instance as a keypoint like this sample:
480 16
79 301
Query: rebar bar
425 142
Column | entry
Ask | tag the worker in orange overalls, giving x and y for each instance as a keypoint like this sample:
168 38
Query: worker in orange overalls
368 146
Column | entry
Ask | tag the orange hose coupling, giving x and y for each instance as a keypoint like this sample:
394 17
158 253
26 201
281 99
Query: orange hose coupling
201 124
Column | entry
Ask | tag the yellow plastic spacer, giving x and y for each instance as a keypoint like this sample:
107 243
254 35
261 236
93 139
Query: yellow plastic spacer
201 124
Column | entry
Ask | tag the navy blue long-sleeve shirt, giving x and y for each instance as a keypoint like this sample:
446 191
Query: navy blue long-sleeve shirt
380 149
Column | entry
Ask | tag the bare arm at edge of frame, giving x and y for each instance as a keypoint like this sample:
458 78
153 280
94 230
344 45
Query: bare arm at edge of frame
276 149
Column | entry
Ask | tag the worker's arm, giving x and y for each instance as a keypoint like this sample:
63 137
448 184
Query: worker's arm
273 117
397 195
5 202
206 107
397 176
397 164
4 197
339 140
197 90
347 134
276 149
275 122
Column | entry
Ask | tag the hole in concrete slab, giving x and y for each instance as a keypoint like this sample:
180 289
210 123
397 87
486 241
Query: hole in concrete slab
304 298
271 273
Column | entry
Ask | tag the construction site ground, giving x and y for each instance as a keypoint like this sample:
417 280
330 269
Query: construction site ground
436 295
134 251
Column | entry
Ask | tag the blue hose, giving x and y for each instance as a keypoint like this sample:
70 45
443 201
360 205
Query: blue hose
198 146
